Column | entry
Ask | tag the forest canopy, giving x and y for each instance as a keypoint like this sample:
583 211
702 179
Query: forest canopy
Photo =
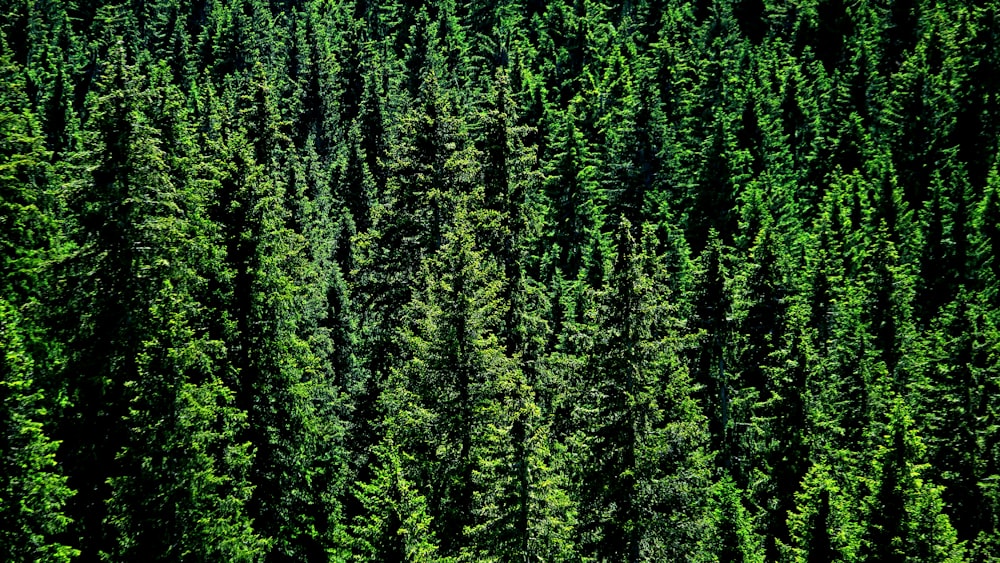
508 280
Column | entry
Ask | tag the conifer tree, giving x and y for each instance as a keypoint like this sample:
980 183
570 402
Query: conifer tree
291 400
712 360
466 399
905 518
573 204
107 297
631 167
30 200
731 536
824 526
180 415
432 162
644 430
395 525
34 494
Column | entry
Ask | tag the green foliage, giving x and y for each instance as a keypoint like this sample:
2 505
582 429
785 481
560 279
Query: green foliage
644 430
906 519
339 279
731 536
824 526
395 525
34 493
574 217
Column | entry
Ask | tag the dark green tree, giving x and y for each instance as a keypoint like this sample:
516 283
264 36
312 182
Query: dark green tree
182 458
574 208
465 400
644 486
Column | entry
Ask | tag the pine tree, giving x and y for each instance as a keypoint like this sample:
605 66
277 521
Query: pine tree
431 162
824 525
631 167
105 293
522 506
30 202
466 394
34 494
905 518
731 536
643 428
180 415
511 211
712 360
571 186
395 525
291 399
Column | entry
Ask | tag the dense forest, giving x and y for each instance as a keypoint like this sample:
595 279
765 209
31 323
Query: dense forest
510 280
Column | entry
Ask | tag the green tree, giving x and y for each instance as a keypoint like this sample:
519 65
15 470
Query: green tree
644 430
573 201
182 481
731 536
273 293
395 525
431 161
30 202
34 494
103 323
630 163
905 519
824 525
462 410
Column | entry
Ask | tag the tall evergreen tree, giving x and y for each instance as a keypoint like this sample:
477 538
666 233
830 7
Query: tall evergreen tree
290 399
33 497
571 186
645 431
180 416
906 519
431 163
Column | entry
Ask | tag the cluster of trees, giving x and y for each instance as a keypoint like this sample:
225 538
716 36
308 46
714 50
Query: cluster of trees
310 280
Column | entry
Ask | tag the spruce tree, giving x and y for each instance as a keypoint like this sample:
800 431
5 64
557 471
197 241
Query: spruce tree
182 457
905 519
33 497
644 430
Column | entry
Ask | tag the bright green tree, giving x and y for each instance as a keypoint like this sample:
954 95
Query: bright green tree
905 516
33 497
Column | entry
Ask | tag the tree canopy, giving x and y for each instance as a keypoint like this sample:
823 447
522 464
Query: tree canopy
344 280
